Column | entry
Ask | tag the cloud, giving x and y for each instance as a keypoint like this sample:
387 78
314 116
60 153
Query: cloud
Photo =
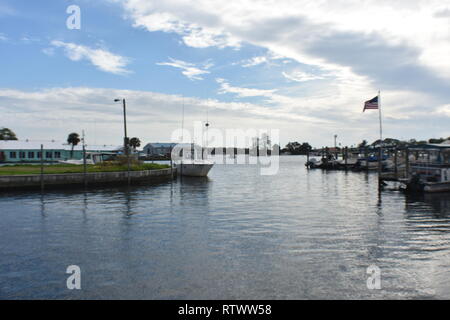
392 51
443 110
299 76
254 61
442 13
100 58
225 87
190 70
49 51
53 113
145 15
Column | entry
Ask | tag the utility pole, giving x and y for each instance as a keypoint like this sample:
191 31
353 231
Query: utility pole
125 139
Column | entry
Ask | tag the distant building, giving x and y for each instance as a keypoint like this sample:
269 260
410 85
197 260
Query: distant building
27 151
155 149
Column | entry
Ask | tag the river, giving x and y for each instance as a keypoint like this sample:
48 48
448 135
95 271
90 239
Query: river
237 234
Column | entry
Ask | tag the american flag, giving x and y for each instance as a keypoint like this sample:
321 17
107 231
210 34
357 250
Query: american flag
371 104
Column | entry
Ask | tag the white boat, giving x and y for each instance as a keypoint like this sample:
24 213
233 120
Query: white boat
195 168
91 158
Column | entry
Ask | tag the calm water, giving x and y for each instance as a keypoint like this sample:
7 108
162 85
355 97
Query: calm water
235 235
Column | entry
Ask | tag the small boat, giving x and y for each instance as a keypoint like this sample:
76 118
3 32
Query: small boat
195 168
91 158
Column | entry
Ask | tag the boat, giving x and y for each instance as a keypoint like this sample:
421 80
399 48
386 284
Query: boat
189 165
91 158
430 171
195 168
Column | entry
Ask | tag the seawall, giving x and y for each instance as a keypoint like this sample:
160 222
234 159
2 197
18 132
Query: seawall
37 181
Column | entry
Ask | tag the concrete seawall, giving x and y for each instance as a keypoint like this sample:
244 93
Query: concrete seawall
81 179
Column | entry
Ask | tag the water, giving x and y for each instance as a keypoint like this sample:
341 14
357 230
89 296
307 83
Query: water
236 235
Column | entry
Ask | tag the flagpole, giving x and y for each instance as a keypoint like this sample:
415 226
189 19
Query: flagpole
380 155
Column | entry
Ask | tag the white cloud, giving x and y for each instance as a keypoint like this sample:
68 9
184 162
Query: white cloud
190 70
299 76
48 51
52 113
254 61
100 58
3 37
384 41
225 87
443 110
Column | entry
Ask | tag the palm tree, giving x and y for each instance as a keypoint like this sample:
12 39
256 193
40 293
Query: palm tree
7 134
73 139
135 143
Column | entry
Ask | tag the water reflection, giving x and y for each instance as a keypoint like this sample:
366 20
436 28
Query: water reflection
436 204
301 234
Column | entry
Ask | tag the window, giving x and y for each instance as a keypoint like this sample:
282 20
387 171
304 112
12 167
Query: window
39 155
49 154
22 155
31 155
13 155
57 154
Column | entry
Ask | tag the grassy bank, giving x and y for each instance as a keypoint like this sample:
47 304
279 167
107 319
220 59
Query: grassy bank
27 169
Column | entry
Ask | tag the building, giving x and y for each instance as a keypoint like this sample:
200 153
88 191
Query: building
29 151
158 149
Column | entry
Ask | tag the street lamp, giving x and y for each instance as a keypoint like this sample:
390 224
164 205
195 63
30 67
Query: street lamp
335 145
125 139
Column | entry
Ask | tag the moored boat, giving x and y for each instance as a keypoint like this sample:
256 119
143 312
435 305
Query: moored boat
430 171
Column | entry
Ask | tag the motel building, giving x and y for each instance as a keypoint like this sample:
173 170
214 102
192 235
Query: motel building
29 151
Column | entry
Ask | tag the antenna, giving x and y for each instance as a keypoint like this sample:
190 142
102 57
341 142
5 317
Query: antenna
182 124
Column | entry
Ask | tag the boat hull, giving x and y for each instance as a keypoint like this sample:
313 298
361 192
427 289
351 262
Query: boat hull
195 169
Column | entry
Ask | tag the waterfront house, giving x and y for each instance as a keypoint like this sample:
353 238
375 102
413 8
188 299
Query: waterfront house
158 149
29 151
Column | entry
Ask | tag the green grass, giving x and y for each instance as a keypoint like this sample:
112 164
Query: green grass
27 169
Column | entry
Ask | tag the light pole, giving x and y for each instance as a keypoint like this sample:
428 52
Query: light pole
335 146
125 138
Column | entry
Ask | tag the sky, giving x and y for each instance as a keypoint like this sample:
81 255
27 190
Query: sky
304 68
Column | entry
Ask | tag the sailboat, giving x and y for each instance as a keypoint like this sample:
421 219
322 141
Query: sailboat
195 167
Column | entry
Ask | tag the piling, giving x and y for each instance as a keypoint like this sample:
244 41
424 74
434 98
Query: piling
346 157
84 164
407 163
396 162
42 167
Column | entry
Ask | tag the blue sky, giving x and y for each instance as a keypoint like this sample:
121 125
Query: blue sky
302 67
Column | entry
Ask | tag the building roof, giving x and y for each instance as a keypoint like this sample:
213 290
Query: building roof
50 145
159 145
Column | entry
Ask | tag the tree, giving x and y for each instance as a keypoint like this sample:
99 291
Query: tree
363 144
7 134
135 143
73 139
436 141
296 148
